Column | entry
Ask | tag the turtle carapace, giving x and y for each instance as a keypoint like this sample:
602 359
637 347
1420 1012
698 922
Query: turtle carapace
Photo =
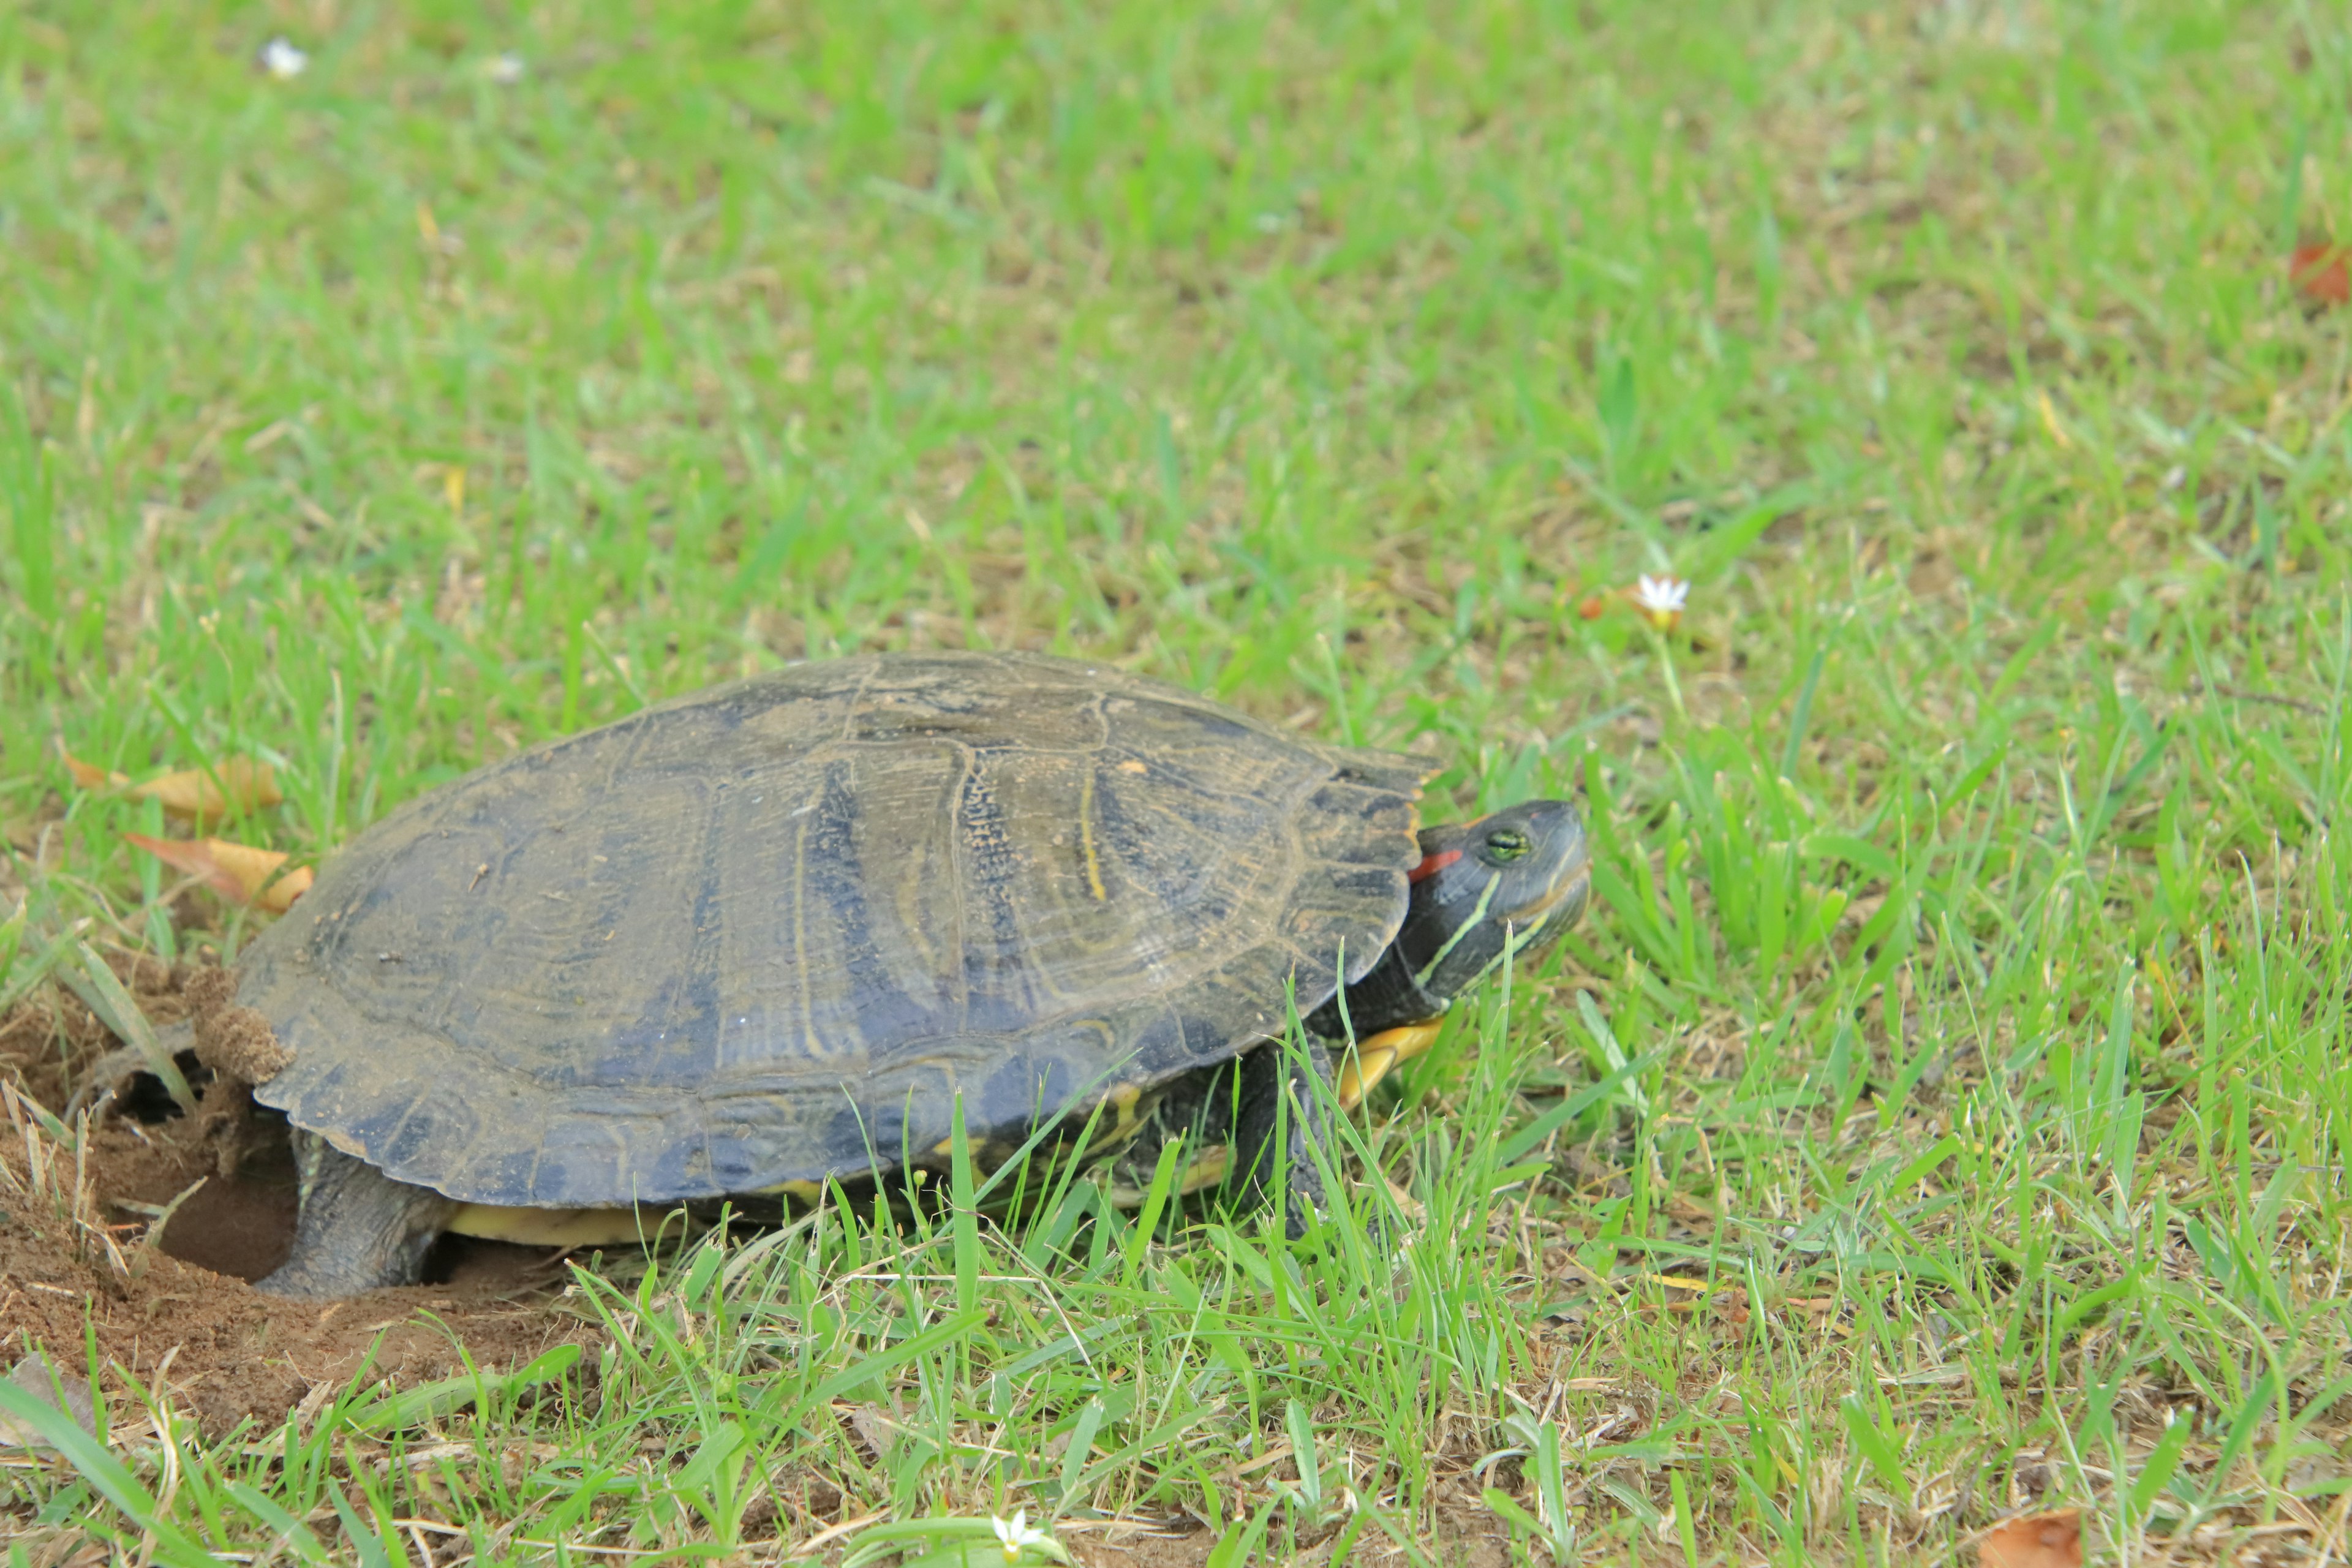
769 935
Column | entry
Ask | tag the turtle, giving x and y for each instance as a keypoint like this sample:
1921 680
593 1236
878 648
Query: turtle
783 932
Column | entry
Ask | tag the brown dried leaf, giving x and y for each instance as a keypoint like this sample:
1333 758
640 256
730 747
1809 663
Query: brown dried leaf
874 1428
1688 1211
239 783
2035 1540
235 871
89 777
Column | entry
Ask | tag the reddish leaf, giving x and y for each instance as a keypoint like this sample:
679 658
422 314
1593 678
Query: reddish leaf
238 872
2035 1540
2322 273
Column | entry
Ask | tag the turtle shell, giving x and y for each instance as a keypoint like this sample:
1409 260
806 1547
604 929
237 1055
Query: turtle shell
768 933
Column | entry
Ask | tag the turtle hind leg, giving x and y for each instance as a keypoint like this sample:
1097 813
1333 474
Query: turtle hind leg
1282 1131
359 1230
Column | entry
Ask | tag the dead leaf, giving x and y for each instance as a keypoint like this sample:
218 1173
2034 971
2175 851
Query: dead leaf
2035 1540
1689 1211
61 1391
89 777
198 859
279 896
239 872
875 1429
2322 273
239 783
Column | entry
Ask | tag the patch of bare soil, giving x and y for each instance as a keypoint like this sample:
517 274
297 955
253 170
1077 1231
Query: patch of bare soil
1154 1549
92 1242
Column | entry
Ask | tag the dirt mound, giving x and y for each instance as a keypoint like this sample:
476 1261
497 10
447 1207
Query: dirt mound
145 1233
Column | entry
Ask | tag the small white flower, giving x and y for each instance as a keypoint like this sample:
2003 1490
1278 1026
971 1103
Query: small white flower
1015 1535
283 61
506 69
1661 599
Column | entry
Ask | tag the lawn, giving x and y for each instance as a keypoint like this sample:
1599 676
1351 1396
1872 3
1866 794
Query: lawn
1933 1121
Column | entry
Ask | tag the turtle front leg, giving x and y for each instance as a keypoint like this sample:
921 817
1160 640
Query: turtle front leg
359 1230
1282 1125
1195 1111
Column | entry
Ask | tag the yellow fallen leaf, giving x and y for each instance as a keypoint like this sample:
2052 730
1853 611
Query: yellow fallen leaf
239 783
279 896
236 871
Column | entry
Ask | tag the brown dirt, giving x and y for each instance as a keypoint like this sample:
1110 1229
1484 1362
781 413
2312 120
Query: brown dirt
92 1265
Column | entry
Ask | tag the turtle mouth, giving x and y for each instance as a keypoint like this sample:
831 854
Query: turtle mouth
1532 924
1529 919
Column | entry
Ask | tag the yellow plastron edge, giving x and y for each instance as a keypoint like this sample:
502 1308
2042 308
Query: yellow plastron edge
594 1227
569 1227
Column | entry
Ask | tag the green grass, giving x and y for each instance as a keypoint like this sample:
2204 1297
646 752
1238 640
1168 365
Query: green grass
1969 970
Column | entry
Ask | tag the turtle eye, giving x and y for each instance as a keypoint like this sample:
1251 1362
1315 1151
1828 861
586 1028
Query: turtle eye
1505 844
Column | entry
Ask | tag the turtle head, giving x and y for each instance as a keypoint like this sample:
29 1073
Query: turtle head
1506 883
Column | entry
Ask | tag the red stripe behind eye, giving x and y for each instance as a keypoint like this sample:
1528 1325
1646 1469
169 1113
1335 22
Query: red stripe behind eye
1433 864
